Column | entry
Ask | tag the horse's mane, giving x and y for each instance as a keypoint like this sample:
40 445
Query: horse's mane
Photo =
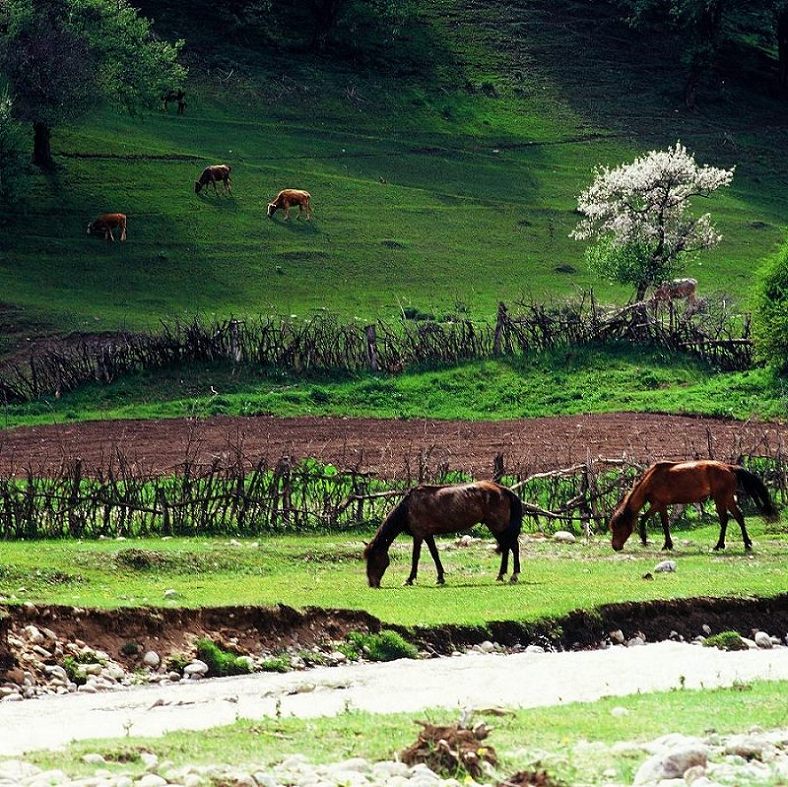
390 528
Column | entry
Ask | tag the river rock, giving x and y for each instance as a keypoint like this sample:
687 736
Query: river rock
564 537
750 747
151 780
151 659
486 646
149 760
16 770
617 636
666 566
762 640
34 636
197 667
671 764
93 758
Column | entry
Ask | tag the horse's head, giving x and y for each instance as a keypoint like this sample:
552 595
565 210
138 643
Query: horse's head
622 523
377 562
271 209
197 186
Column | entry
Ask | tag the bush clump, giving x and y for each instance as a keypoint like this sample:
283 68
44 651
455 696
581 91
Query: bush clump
385 646
726 640
771 322
221 663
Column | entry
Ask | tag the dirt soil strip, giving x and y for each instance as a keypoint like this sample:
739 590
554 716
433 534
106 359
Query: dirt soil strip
472 680
386 447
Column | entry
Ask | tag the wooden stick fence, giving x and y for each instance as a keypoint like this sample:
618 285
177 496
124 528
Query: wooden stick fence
241 497
712 334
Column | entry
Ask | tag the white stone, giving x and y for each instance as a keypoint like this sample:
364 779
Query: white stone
763 640
33 635
151 780
197 667
93 759
617 636
171 593
534 649
671 764
149 760
16 770
666 566
486 646
564 537
151 659
619 711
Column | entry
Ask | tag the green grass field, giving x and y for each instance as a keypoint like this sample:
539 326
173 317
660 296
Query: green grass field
329 572
430 190
590 380
554 738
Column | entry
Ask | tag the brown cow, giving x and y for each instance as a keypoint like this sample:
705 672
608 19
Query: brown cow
678 288
107 222
212 174
287 197
178 96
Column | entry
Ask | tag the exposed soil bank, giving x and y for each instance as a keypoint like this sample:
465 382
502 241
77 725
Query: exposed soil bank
251 629
386 447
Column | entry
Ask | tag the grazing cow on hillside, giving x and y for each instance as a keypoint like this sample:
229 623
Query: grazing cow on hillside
287 197
107 222
212 174
178 96
678 288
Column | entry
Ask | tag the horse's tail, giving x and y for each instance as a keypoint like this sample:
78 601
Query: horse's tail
512 532
757 490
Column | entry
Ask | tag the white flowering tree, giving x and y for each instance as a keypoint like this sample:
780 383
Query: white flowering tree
637 216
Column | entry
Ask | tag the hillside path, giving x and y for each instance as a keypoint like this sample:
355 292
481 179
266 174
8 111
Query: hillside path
471 680
388 447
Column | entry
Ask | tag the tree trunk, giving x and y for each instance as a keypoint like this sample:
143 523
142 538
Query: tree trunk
641 291
42 150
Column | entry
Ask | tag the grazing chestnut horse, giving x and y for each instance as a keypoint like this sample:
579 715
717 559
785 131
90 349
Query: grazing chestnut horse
107 222
288 197
427 510
665 483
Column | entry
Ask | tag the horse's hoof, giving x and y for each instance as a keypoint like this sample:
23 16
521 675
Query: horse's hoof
748 547
441 581
408 583
513 579
718 547
499 578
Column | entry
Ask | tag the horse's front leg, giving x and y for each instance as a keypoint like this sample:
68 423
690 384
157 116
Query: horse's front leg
663 515
436 558
414 564
642 525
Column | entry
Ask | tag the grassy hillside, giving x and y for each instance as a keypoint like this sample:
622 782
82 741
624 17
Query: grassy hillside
446 186
588 380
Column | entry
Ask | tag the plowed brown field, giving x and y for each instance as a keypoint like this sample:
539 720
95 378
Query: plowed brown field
389 447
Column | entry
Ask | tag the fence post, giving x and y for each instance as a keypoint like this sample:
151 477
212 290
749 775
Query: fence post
235 346
498 468
500 323
372 347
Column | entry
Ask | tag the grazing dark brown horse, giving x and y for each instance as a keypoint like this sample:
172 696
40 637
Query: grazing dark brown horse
665 483
427 510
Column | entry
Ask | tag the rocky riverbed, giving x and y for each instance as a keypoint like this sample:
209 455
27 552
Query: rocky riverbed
757 757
